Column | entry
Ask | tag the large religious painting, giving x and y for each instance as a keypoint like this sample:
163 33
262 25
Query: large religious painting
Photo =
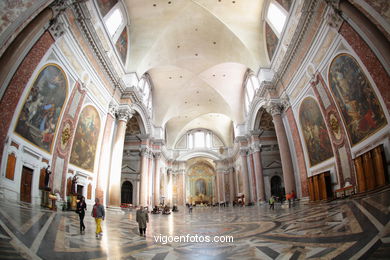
314 131
121 45
85 139
200 187
105 5
359 105
201 180
41 111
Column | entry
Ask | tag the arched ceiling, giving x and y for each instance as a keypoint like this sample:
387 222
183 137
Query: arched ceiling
197 53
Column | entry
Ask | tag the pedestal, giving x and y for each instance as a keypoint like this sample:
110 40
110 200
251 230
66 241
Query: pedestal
45 199
73 202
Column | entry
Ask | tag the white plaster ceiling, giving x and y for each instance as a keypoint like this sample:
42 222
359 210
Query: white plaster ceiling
197 53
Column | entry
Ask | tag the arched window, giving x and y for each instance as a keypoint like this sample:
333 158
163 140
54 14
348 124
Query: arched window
202 138
113 15
276 17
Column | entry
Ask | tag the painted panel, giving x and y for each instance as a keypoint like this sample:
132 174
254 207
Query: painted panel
38 119
121 45
271 40
314 132
85 139
105 6
286 4
359 105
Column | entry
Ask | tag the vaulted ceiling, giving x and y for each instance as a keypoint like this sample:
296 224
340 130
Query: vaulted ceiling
197 53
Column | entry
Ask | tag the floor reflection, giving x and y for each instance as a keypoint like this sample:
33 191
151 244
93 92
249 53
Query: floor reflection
343 229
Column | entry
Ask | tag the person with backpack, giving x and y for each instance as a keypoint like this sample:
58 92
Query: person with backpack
99 214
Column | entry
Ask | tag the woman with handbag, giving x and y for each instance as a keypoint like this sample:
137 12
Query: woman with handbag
81 208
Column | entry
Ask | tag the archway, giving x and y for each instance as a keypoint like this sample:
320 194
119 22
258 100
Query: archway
200 181
127 192
276 186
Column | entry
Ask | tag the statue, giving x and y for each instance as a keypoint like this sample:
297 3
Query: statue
47 177
74 185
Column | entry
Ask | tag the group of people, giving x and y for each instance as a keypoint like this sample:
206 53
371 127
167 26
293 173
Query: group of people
98 213
290 197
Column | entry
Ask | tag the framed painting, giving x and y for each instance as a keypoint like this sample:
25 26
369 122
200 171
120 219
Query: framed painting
360 108
121 45
314 131
85 139
38 119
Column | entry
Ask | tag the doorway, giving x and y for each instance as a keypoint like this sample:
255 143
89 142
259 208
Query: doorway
127 193
276 186
25 184
80 190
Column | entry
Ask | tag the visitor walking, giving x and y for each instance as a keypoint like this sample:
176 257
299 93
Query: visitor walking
272 202
81 208
99 214
142 218
190 209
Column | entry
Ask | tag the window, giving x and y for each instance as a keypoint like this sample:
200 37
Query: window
114 21
276 16
199 140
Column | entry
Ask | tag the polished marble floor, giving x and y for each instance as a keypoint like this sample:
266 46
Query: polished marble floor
343 229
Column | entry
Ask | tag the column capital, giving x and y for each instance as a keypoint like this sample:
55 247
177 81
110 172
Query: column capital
277 107
243 151
274 108
157 155
124 113
113 108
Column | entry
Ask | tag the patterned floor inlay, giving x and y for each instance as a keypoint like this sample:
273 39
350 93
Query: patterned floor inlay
343 229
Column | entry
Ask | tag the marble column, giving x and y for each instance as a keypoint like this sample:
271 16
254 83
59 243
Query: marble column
138 188
150 178
259 172
170 188
124 114
275 109
231 186
245 174
156 197
143 191
253 178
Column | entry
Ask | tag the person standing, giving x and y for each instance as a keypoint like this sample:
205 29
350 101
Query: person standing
99 214
272 202
81 208
142 218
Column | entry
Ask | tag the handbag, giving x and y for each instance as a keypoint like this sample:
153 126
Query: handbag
77 211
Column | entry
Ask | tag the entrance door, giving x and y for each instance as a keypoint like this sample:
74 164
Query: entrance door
25 186
276 186
127 193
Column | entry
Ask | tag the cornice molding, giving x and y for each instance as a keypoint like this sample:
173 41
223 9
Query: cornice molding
305 20
83 18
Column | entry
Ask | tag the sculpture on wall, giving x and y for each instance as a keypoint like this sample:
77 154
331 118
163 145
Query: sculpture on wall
74 186
47 178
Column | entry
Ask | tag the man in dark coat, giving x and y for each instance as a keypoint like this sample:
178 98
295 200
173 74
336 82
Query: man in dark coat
142 218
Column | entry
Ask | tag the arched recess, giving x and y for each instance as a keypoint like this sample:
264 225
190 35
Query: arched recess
200 181
127 192
270 160
254 112
143 117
